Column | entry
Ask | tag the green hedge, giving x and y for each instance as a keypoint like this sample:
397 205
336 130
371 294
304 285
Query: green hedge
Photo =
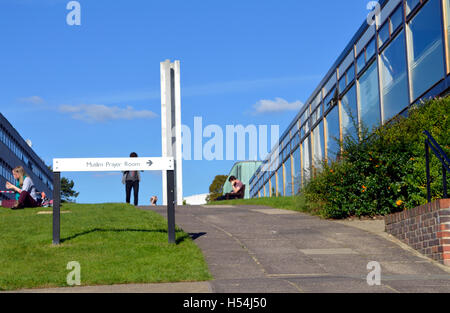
385 171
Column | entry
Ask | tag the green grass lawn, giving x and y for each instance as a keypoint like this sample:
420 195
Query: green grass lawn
294 203
114 244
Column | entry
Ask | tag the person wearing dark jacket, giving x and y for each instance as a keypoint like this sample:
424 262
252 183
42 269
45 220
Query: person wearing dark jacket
131 181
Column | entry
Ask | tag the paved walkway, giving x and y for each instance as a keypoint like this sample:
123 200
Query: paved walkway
255 249
258 249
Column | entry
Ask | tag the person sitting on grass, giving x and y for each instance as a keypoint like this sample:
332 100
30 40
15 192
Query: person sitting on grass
26 194
238 190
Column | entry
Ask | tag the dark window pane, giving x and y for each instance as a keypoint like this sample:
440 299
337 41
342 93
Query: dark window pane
383 34
296 169
343 83
273 187
397 18
425 50
447 6
371 49
306 164
349 113
350 74
280 181
360 62
288 178
333 133
368 97
410 5
329 98
393 78
319 145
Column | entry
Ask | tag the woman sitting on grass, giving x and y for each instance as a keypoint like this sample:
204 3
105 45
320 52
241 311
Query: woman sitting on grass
26 194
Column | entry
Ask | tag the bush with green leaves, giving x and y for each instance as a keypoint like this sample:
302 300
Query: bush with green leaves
384 172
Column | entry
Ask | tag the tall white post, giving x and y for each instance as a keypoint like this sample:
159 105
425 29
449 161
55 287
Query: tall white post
171 124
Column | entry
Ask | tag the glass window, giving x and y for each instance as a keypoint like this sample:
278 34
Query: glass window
329 99
397 19
273 185
317 100
350 74
343 83
296 169
426 59
410 5
280 181
447 6
319 145
393 78
316 115
383 34
288 177
368 98
333 133
349 113
360 62
306 166
371 50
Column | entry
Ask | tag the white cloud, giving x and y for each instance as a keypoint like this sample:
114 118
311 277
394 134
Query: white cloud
277 105
32 100
102 113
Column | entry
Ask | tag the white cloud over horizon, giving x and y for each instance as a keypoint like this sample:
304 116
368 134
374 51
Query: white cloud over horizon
32 100
103 113
277 105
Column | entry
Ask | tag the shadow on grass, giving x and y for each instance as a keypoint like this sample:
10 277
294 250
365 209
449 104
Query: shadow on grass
95 230
179 240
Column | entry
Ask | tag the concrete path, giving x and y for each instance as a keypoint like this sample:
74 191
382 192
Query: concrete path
258 249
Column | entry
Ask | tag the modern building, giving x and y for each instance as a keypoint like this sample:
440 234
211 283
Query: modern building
387 67
15 151
242 171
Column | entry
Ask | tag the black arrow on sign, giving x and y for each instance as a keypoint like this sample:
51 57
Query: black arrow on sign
149 163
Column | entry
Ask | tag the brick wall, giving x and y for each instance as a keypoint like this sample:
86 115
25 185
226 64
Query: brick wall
425 228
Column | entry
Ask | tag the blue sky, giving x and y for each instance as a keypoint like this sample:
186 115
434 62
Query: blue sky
94 90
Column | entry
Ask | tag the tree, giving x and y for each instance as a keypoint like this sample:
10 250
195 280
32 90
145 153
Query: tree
67 192
216 187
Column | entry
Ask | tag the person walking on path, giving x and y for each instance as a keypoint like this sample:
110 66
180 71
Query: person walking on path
131 180
26 193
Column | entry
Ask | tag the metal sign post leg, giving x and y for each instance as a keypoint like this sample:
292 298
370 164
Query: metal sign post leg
171 205
56 207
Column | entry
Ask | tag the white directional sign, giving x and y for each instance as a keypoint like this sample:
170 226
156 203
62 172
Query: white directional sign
113 164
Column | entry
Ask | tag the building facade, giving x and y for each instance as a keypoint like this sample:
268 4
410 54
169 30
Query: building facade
14 151
388 66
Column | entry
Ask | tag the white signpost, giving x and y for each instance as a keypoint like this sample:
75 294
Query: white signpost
112 164
170 163
108 165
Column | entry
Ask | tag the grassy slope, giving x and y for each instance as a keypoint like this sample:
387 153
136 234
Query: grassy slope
287 203
114 243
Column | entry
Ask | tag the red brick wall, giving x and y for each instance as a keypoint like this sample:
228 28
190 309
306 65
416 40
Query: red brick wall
425 228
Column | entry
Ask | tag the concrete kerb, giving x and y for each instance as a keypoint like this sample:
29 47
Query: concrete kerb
183 287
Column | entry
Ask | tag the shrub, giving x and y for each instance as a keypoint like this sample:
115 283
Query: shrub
385 171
